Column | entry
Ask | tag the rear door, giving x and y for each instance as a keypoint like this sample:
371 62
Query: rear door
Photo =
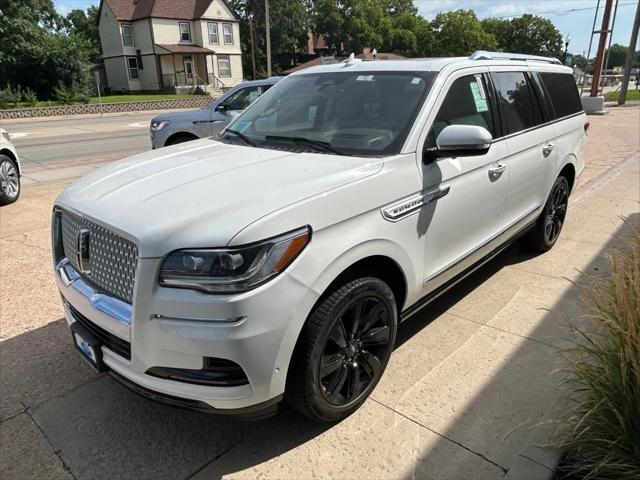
530 142
469 193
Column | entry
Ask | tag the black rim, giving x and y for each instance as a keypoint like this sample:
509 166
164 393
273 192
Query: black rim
557 211
354 352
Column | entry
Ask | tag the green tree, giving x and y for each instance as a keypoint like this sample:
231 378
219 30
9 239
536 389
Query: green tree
459 32
526 34
85 25
35 50
290 23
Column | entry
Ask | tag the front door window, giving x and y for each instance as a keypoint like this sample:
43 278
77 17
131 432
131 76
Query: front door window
188 69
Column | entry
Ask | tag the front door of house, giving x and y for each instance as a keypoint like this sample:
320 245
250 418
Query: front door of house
188 69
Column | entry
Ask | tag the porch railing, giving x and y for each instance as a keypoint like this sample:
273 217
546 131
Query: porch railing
190 79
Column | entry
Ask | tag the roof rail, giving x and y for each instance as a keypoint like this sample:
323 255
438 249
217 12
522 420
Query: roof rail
484 55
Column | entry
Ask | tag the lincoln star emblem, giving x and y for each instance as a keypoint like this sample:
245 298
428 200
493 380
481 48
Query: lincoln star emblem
83 251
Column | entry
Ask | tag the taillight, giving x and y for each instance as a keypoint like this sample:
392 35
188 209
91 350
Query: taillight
586 126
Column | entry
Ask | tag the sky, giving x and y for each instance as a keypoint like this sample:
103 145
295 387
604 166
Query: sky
573 17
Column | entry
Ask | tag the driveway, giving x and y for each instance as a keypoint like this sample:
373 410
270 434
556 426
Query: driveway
470 392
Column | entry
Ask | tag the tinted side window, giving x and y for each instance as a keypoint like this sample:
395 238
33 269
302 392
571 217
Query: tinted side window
466 103
517 106
563 92
242 98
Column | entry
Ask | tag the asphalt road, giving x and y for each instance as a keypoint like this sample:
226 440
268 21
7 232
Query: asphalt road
112 137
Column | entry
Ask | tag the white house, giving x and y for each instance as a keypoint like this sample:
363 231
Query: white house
164 44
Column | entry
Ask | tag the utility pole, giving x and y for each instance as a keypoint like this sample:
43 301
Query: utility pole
252 33
631 55
266 16
602 42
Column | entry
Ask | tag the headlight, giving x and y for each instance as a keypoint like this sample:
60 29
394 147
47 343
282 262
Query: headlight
232 269
157 126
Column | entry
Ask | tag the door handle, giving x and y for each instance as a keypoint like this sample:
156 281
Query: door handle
496 170
547 148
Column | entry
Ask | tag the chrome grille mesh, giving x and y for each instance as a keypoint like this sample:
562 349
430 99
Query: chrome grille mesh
113 259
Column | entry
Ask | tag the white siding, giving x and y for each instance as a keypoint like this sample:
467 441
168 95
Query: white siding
109 30
117 76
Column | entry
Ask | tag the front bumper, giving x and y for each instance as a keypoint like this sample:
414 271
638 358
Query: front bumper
176 328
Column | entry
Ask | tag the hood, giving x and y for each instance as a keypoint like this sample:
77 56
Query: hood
185 115
201 193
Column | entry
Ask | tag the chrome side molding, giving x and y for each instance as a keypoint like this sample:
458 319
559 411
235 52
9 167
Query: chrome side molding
409 205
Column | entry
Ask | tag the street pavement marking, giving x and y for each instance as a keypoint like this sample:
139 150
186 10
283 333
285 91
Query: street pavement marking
139 124
19 135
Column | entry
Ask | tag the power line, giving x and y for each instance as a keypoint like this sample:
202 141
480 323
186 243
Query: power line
561 12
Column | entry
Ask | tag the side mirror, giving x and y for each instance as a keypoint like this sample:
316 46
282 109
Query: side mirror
222 107
459 141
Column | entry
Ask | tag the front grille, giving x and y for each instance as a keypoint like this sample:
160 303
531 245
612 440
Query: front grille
108 339
113 259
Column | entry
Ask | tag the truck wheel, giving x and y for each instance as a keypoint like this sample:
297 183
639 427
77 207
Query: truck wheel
9 181
343 350
546 231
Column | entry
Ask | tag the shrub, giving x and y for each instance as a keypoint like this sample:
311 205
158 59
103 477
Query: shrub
29 97
68 94
601 434
9 96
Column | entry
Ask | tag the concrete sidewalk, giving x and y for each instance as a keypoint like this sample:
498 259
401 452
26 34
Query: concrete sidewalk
471 390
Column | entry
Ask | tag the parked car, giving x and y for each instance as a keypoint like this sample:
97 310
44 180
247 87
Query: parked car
9 170
278 260
179 127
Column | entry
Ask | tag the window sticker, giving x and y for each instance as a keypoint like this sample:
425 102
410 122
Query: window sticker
364 78
416 80
479 96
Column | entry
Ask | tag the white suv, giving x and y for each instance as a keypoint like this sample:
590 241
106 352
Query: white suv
277 261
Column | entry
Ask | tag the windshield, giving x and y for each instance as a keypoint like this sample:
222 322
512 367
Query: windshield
348 113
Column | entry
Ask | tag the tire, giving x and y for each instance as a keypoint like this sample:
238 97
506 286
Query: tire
175 140
544 235
353 354
9 181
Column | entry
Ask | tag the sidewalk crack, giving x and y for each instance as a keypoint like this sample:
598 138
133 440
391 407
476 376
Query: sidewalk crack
485 458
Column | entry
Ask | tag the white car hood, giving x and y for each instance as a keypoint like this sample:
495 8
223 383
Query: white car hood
202 193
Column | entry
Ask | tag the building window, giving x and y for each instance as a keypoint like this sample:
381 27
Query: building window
185 32
224 66
132 66
227 30
213 32
127 35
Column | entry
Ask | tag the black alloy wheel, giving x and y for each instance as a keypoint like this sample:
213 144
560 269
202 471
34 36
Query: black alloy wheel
546 231
353 352
343 349
554 217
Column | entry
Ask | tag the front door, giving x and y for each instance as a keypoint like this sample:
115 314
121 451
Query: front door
467 219
188 69
531 144
230 106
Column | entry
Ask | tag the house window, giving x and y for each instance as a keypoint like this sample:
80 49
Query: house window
185 32
227 30
224 66
213 32
127 35
132 66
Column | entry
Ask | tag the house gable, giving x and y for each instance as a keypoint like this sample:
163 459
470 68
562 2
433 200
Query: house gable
218 10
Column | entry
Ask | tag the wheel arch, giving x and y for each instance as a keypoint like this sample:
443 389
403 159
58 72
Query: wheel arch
568 171
11 155
186 134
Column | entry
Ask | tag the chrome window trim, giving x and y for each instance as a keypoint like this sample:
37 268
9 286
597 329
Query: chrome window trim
111 306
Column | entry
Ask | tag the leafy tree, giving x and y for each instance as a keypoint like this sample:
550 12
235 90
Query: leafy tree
36 52
459 32
289 26
583 63
526 34
85 25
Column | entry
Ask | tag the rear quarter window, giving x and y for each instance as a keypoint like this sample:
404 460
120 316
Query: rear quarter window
563 93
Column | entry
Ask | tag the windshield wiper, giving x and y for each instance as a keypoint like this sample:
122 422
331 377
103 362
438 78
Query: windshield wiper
241 136
309 142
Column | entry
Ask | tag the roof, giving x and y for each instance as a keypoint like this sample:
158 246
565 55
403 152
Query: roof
430 64
138 9
175 48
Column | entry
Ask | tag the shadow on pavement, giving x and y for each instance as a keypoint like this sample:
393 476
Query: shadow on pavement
102 430
507 421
